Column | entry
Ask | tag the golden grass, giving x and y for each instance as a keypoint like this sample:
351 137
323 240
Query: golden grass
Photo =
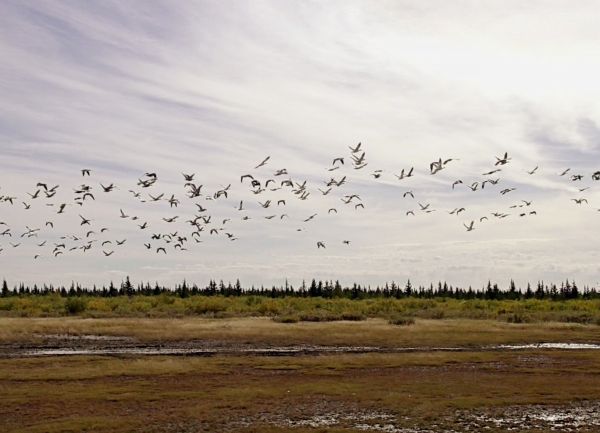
253 330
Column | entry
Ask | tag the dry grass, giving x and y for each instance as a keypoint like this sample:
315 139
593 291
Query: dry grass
257 394
372 332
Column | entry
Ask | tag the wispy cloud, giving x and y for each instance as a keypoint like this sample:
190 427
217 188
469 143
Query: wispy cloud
213 87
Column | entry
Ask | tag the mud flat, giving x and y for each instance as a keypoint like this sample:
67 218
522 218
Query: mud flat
72 345
253 375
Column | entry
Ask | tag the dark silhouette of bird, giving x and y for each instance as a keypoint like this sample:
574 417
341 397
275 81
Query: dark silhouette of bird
263 162
84 221
503 160
355 149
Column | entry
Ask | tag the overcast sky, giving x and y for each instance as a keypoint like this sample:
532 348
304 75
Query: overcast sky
213 87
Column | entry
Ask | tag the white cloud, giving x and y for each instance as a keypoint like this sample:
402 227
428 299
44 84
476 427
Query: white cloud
213 87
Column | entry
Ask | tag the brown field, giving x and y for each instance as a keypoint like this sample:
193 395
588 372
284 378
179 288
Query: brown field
426 391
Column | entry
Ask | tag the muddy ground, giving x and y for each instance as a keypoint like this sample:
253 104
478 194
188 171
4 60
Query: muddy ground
65 345
86 382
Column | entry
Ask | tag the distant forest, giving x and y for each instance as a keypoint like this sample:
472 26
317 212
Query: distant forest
325 289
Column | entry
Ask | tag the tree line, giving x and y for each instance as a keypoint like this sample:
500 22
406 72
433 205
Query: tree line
325 289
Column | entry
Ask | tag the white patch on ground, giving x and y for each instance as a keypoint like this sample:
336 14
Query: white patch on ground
562 346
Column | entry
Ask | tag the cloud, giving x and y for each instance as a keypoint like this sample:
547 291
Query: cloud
214 87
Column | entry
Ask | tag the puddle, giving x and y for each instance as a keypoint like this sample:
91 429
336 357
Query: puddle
569 418
84 337
90 344
561 346
584 416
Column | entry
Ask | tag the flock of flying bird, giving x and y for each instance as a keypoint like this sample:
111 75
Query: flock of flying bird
201 223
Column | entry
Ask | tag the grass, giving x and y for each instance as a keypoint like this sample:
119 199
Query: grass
165 394
263 331
258 394
292 309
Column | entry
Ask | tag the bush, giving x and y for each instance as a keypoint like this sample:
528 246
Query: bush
75 306
517 318
288 318
353 316
401 321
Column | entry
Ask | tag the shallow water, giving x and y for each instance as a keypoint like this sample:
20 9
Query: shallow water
583 416
70 345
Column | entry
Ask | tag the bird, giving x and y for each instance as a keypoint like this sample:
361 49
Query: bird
579 200
408 193
108 253
85 171
263 162
84 221
492 172
473 186
402 175
34 195
503 160
469 227
436 166
310 218
346 242
533 171
157 198
355 149
457 211
108 188
565 172
320 244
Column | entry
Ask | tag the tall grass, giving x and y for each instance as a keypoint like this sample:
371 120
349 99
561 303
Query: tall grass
293 309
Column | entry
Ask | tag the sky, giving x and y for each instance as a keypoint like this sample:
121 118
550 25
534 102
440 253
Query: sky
214 87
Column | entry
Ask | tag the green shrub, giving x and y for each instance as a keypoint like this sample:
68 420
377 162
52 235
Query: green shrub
75 306
401 321
288 318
